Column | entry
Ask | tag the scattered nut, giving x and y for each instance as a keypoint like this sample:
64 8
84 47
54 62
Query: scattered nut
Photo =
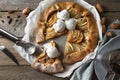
99 8
103 21
110 34
11 11
115 26
2 21
10 21
26 11
104 29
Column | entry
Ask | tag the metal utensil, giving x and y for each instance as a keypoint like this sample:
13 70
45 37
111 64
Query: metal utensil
28 47
102 66
9 54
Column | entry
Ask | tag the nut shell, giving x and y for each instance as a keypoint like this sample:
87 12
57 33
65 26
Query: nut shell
103 20
104 29
26 11
115 26
110 34
99 8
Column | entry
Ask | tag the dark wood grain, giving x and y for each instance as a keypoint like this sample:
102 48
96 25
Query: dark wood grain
5 60
13 22
111 5
24 73
18 4
8 69
111 16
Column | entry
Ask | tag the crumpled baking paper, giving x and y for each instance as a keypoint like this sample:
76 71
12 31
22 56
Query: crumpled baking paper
85 71
29 33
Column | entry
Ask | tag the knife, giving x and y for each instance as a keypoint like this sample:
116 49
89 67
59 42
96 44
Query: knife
9 54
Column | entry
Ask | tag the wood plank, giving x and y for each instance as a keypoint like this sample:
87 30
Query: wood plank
8 69
111 16
111 5
5 60
13 23
18 4
24 73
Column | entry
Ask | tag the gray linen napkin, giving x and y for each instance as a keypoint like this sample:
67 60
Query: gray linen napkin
85 71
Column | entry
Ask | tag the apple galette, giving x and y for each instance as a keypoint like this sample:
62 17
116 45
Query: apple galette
76 23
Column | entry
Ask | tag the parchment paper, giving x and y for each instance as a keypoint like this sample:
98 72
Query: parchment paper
30 27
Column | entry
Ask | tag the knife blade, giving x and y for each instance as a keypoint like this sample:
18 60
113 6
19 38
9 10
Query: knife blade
9 54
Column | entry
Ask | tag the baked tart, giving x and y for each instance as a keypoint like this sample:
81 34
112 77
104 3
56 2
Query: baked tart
72 20
47 62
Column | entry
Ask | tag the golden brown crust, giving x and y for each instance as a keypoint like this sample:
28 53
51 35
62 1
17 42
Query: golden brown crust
85 35
86 25
46 20
46 64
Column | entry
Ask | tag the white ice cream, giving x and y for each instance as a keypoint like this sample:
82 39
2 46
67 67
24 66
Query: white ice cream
71 24
64 15
51 51
59 26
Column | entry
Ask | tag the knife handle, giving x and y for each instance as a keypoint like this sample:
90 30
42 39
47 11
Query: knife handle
8 35
10 55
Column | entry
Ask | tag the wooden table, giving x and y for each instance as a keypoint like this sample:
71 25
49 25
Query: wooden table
8 69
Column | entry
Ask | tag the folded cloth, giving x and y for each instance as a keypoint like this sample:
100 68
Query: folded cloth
85 71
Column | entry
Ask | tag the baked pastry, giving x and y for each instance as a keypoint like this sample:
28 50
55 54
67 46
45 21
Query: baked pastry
47 64
84 38
44 30
80 28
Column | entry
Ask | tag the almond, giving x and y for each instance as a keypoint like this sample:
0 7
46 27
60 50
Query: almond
110 34
99 8
103 20
104 29
26 11
115 26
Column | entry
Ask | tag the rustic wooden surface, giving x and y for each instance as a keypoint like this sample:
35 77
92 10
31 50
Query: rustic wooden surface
8 69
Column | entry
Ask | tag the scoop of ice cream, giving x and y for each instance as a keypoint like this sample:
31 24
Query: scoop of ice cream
71 23
59 26
51 51
64 14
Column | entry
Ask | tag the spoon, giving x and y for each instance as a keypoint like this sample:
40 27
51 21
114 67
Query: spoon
29 47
